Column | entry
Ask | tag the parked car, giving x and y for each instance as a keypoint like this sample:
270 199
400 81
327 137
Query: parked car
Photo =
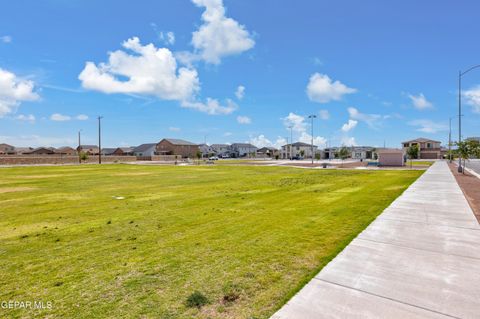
298 158
213 158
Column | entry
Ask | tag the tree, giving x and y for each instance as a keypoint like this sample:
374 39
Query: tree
199 156
467 150
302 153
412 152
343 153
83 156
317 156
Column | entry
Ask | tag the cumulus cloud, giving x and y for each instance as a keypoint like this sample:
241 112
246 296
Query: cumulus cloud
348 141
350 125
317 140
322 89
240 92
211 106
6 38
26 118
60 117
323 114
219 36
244 119
168 38
262 141
472 97
371 120
428 126
82 117
420 102
148 71
14 91
297 122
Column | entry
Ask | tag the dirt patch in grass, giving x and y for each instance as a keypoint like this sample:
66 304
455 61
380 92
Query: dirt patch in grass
470 186
15 189
132 174
39 176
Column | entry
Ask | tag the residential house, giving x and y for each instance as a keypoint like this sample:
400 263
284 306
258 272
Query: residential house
88 149
221 149
23 150
123 151
298 149
66 150
361 152
42 151
172 146
242 150
391 157
6 149
268 152
145 149
108 151
206 150
428 149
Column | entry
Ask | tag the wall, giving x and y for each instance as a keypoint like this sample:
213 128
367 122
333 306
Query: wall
58 159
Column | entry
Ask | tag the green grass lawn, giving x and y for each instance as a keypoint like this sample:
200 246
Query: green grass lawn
247 238
420 163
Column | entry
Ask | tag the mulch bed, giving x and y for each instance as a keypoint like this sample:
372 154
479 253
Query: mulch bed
470 186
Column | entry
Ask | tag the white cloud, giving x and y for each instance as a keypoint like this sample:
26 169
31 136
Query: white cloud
472 97
296 121
227 134
6 39
350 125
60 117
82 117
168 38
317 140
240 92
27 118
420 102
211 106
429 126
149 71
219 36
174 129
36 140
372 120
244 119
324 114
13 91
321 89
260 141
348 141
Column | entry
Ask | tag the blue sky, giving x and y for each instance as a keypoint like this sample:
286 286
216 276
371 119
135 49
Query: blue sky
371 71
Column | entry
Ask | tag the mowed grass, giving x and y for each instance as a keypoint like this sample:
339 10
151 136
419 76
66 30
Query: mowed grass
245 237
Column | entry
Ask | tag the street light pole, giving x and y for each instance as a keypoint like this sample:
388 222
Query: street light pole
460 74
450 141
312 117
79 148
99 140
291 141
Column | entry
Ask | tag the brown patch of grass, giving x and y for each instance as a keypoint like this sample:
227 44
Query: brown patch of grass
15 189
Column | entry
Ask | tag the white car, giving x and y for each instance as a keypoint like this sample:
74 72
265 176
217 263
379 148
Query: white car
213 158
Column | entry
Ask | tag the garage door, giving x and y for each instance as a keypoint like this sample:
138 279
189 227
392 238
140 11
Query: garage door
428 155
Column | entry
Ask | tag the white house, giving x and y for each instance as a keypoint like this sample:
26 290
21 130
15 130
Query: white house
297 149
242 149
145 149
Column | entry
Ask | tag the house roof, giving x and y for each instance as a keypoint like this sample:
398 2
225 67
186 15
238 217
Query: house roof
23 149
65 148
144 147
127 149
389 150
176 141
421 140
108 150
88 146
267 148
5 145
219 145
243 145
300 144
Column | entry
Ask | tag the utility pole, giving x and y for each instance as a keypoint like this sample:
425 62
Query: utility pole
99 140
286 147
79 148
313 116
291 142
450 140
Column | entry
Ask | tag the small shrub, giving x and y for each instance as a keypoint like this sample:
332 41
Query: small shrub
196 299
58 283
231 292
109 222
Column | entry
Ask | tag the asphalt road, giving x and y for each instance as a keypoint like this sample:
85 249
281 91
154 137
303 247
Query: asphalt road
474 164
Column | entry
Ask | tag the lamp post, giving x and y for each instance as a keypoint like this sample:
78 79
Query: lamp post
450 140
79 148
460 74
99 140
313 116
291 141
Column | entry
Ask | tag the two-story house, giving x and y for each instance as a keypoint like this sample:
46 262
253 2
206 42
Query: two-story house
428 149
242 150
298 149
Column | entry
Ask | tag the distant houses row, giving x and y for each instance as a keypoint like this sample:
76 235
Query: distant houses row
428 149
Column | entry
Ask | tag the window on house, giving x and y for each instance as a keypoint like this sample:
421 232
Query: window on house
429 145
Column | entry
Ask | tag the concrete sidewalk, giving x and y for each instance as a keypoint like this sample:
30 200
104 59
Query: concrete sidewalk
419 259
